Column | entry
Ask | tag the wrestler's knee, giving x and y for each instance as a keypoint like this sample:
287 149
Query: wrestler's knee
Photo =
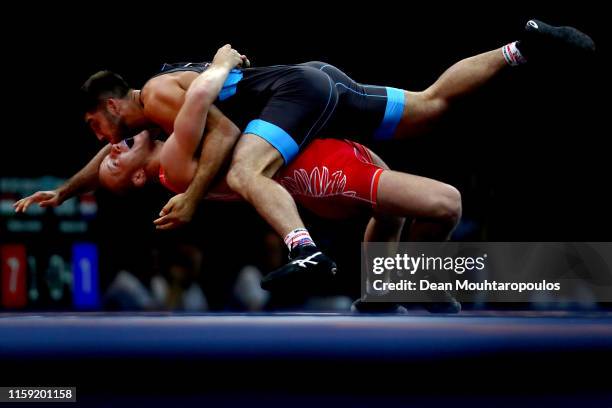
253 157
240 175
431 102
446 205
246 169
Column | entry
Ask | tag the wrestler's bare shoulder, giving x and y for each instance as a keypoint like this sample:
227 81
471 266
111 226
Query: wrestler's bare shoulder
163 84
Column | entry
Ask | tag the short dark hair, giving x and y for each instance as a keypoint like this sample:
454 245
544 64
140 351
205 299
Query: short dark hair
101 86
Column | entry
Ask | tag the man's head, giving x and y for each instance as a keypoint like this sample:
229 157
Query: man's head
104 97
124 166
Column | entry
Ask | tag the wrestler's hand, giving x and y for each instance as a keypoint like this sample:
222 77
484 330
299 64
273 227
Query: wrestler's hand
42 198
229 58
178 211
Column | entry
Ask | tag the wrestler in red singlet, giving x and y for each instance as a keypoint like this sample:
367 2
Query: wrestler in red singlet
332 178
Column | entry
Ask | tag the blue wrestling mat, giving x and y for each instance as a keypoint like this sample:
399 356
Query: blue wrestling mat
320 359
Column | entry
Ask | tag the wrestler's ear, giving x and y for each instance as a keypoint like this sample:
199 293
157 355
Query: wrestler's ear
139 178
112 106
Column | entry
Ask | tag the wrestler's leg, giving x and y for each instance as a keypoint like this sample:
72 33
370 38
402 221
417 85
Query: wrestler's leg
255 161
381 228
388 228
302 102
424 109
433 206
384 227
539 41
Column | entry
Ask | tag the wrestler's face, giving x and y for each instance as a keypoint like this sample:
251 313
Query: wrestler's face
107 124
123 166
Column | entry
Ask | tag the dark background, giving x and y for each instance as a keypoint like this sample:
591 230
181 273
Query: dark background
529 152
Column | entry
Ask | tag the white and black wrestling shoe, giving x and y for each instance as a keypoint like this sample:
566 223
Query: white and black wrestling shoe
308 271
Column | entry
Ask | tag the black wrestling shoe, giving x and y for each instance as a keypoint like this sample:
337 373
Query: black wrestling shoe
359 306
541 41
309 271
440 301
450 306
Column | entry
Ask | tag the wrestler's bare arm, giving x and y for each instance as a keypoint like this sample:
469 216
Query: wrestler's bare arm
83 181
182 169
218 145
179 156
